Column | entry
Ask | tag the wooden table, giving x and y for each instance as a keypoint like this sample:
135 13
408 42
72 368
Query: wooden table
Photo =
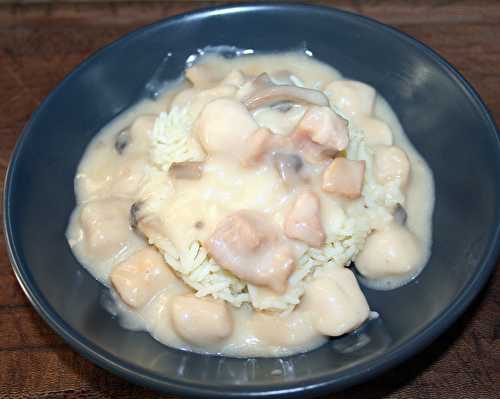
40 43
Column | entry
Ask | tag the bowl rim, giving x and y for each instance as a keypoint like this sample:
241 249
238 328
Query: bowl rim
326 382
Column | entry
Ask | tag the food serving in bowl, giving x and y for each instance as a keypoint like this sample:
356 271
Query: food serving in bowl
441 114
224 215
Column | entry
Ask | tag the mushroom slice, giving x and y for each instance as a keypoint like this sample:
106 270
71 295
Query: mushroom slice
266 96
288 166
122 140
400 214
134 214
262 92
303 222
186 170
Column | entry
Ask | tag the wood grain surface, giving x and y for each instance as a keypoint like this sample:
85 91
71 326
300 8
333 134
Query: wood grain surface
41 42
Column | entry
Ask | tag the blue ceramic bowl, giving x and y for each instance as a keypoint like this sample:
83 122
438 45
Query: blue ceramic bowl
442 114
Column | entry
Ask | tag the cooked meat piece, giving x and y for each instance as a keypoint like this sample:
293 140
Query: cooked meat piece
224 125
325 127
303 222
248 245
344 177
201 321
141 277
391 164
352 98
256 146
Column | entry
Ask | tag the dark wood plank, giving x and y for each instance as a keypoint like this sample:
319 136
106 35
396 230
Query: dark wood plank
41 43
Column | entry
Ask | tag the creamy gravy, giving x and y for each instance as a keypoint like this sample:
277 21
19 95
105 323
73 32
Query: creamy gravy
111 178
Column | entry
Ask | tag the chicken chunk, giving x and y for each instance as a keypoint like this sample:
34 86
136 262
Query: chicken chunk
256 146
351 97
141 277
105 225
391 164
325 127
128 177
344 177
292 330
204 97
248 245
336 302
376 131
391 252
303 222
309 150
200 321
224 125
202 75
235 78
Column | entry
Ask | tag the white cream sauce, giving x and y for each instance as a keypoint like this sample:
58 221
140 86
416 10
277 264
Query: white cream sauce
108 183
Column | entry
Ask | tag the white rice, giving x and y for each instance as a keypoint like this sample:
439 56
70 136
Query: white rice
171 142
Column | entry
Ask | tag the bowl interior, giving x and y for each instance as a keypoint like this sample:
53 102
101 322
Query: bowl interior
443 118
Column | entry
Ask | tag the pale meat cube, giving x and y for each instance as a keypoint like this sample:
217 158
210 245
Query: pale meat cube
256 146
325 127
141 277
204 97
353 98
336 302
129 177
247 244
202 76
105 226
344 177
292 330
224 125
393 251
309 150
377 132
235 78
303 222
201 321
391 164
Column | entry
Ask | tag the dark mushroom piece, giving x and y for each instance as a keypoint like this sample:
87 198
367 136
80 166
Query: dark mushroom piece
284 106
134 217
285 93
199 225
121 141
187 170
265 93
288 167
400 215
